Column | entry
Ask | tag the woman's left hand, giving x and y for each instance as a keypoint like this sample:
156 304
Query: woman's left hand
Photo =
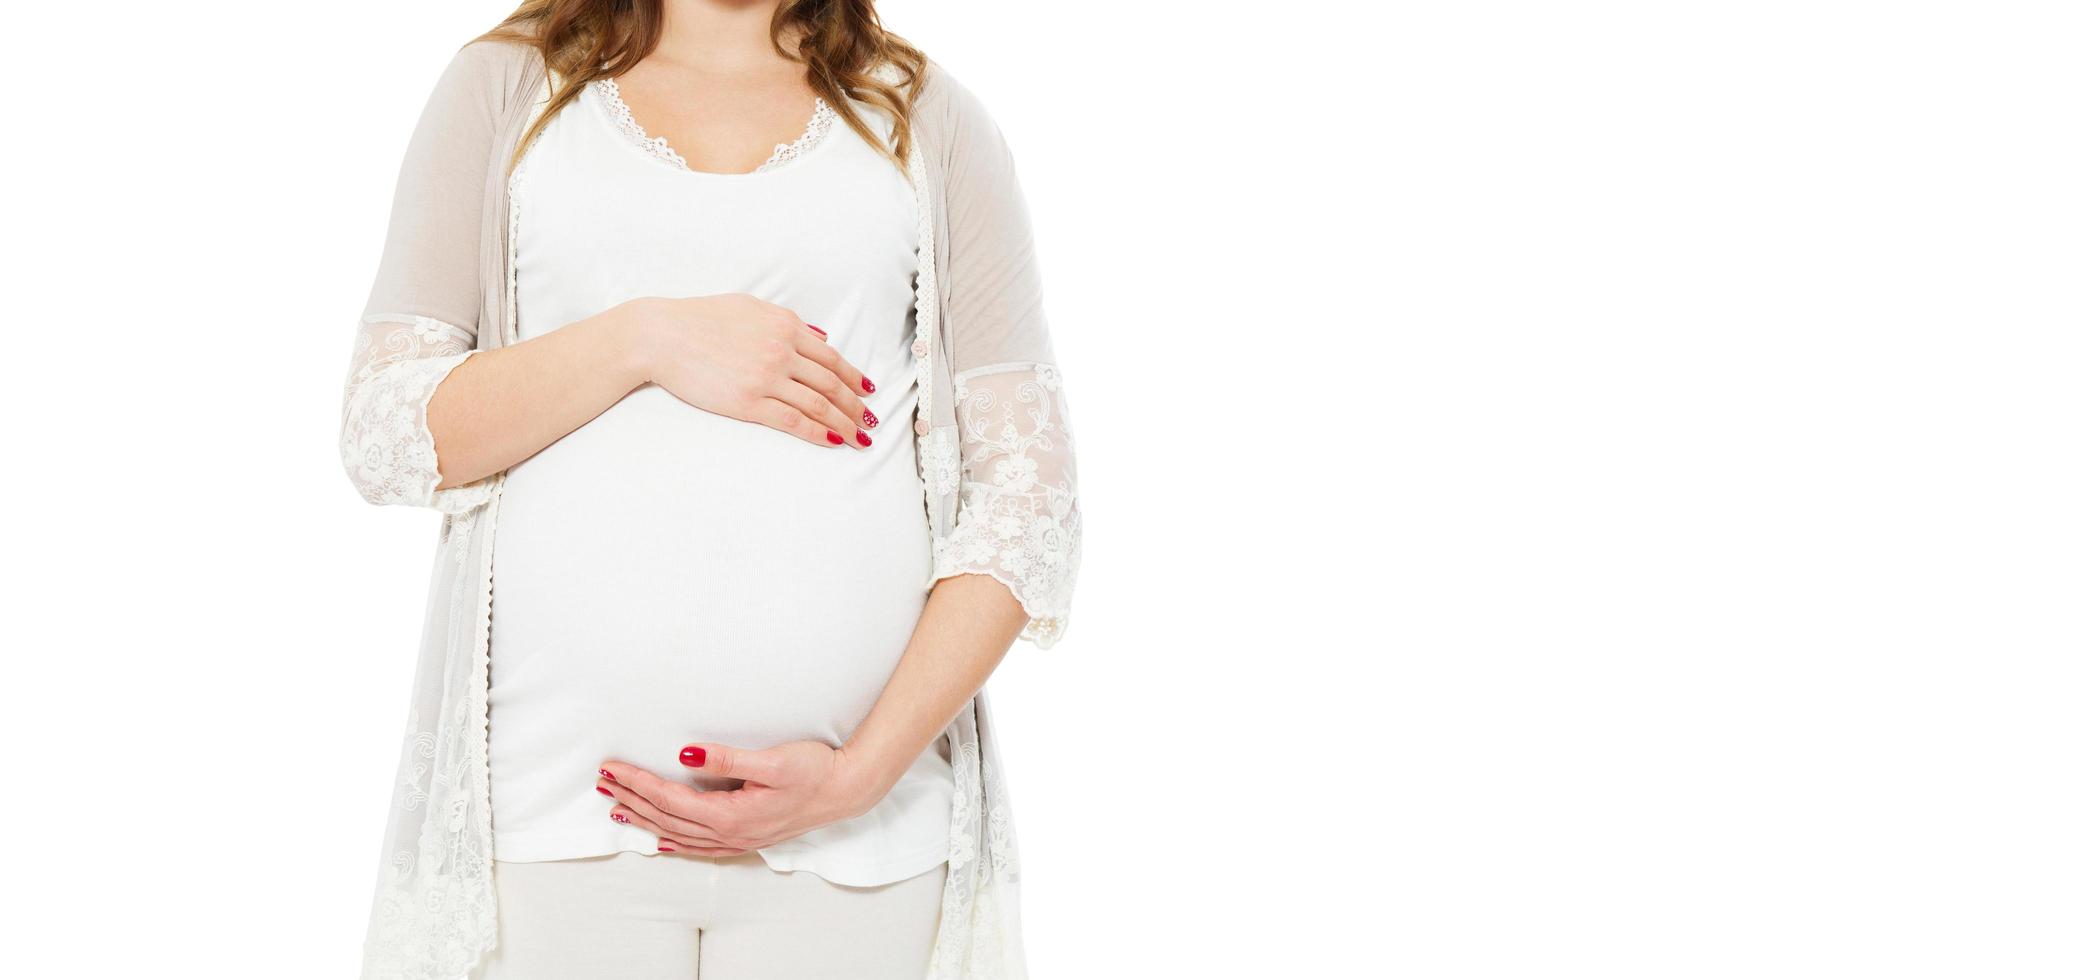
787 790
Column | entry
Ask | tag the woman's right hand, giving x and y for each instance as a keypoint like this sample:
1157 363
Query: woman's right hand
738 356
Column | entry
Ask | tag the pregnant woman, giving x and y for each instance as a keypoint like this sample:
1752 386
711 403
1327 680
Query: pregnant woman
713 329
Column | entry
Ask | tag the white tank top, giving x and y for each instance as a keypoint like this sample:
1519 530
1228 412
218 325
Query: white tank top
665 575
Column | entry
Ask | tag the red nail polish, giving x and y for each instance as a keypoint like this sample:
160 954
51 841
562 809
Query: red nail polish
692 756
869 387
863 440
621 817
870 421
817 330
833 439
664 847
604 791
607 773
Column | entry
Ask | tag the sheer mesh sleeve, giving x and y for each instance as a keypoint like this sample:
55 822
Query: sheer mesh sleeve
384 443
423 311
1019 511
1019 506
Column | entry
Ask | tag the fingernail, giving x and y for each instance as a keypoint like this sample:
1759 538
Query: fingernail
870 421
817 330
833 439
692 756
605 791
664 847
863 440
869 387
607 773
620 817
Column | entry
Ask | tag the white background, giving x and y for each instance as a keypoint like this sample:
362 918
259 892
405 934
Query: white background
1571 489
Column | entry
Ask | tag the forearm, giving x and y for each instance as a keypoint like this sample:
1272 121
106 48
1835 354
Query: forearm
501 406
967 627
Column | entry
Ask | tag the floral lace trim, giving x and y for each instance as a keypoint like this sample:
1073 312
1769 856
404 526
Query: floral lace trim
384 441
937 456
818 125
936 453
1019 513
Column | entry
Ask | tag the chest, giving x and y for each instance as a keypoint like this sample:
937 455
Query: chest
829 232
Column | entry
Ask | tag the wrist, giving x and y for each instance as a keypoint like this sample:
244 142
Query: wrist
627 333
868 774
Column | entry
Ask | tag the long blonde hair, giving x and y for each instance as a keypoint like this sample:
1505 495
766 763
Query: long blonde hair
841 43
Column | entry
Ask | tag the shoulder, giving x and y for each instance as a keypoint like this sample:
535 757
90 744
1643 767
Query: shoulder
950 115
944 99
490 73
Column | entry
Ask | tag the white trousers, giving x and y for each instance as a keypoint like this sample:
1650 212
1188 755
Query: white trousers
632 916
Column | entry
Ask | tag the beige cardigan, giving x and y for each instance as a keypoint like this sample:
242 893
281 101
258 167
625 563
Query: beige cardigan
996 463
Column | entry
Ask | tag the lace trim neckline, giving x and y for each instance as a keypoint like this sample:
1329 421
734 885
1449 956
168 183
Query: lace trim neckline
818 125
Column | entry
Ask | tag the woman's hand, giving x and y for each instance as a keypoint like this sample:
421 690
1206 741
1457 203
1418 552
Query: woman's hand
738 356
787 790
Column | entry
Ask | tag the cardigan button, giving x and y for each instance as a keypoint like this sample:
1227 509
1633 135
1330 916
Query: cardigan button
921 347
921 427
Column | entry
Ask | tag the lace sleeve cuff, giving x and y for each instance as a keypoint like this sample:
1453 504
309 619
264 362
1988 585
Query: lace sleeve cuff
384 442
1018 510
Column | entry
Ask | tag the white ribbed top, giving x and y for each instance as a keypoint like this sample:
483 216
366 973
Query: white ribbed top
666 575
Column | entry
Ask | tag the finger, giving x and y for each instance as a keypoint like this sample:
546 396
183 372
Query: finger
665 821
628 816
817 406
671 845
785 418
668 846
718 852
831 387
749 765
670 802
826 356
616 774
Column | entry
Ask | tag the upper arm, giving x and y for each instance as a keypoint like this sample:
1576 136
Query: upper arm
424 311
431 255
992 293
1019 512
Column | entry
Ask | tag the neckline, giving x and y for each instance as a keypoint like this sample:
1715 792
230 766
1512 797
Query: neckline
818 125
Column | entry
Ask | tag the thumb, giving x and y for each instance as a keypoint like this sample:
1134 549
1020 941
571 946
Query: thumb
730 762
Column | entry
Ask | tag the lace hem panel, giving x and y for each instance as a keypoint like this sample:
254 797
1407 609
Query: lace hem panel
1018 509
385 444
435 902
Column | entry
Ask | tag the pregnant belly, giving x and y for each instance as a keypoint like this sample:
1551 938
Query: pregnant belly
664 575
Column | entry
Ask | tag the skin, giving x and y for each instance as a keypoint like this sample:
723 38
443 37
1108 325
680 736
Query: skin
723 98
